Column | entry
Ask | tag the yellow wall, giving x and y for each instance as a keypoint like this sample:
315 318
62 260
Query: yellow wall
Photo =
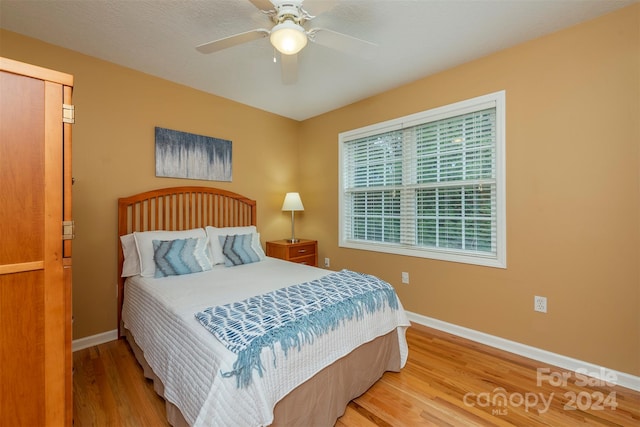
573 183
113 156
573 194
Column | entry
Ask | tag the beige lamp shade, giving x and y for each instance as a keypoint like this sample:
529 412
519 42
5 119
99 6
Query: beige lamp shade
292 202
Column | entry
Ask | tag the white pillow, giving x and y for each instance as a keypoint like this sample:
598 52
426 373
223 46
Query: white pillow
144 242
131 265
216 247
257 246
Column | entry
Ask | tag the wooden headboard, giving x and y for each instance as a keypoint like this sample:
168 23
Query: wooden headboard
179 208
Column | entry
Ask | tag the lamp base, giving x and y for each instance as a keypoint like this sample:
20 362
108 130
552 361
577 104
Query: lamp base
292 240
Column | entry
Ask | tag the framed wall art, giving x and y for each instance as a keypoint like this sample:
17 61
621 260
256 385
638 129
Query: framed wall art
187 155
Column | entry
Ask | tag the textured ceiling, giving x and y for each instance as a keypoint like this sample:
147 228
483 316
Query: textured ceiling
415 39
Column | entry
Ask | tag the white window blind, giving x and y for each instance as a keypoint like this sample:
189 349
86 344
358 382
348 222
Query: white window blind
430 184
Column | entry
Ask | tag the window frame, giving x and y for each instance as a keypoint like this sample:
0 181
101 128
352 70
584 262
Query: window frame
499 260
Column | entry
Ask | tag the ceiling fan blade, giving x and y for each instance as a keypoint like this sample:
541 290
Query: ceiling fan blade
289 67
231 41
262 4
344 43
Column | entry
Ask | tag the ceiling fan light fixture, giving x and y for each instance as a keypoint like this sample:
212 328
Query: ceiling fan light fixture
288 37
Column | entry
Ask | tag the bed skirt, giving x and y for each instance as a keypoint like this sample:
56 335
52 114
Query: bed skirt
324 397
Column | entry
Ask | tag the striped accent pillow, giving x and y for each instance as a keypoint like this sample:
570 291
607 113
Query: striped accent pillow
237 249
181 256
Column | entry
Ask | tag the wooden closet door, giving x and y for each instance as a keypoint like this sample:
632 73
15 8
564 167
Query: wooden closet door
33 298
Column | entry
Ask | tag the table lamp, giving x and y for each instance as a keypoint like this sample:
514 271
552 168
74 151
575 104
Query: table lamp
292 202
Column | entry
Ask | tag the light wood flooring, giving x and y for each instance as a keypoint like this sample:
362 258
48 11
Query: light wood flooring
448 381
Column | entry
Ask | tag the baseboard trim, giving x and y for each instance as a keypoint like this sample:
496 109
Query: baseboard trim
600 372
90 341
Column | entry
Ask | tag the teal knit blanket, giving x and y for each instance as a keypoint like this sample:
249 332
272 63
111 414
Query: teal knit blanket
293 316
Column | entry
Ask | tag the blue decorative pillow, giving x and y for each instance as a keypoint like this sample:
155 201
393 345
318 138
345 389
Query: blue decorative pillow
237 249
181 256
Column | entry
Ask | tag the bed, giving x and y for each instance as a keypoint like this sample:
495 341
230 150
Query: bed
256 374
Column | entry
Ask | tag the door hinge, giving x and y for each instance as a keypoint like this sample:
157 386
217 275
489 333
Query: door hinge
68 230
68 113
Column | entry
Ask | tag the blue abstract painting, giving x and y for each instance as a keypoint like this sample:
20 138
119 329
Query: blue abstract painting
186 155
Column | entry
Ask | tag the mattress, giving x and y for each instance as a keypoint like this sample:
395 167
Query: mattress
189 361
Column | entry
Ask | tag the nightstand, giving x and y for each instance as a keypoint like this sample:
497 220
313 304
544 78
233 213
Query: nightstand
303 252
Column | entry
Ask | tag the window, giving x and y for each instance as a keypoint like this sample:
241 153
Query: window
431 184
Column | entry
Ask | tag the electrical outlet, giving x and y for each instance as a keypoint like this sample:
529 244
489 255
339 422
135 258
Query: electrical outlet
327 262
540 304
405 277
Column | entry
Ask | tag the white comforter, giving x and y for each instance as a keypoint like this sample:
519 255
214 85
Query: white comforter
188 359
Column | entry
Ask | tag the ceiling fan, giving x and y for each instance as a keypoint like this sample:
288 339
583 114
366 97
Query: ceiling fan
288 36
